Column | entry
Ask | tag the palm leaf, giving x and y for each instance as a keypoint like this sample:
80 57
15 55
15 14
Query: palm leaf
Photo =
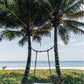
63 33
73 28
49 4
37 38
76 15
44 33
75 6
49 12
23 41
74 23
12 34
12 12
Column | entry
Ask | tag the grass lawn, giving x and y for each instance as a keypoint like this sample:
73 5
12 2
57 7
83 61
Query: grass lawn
15 76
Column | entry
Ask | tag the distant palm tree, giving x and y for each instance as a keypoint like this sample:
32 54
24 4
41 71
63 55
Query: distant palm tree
21 19
63 15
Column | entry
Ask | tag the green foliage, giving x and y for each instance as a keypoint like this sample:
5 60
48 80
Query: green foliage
15 76
4 67
15 15
64 15
17 20
64 34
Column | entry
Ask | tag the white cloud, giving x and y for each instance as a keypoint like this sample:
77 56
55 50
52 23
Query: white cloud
72 40
60 43
78 44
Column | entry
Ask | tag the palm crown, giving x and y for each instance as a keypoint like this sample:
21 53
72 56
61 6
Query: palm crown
64 15
18 18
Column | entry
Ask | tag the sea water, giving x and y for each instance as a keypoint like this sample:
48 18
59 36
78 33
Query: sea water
41 64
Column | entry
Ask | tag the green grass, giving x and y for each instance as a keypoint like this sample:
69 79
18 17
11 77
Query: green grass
15 76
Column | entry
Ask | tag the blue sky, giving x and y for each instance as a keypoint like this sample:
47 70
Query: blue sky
74 51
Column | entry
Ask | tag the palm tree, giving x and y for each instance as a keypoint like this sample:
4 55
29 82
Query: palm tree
63 15
17 20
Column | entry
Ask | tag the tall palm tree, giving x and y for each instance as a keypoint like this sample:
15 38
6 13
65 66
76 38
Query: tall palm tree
63 15
17 20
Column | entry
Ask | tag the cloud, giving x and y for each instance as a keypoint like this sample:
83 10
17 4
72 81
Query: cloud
60 43
72 40
78 44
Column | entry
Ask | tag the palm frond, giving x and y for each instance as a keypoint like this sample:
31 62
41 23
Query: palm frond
4 20
75 6
1 37
12 12
61 5
49 12
23 41
44 33
44 30
73 28
46 27
37 38
74 23
49 4
12 34
76 15
64 34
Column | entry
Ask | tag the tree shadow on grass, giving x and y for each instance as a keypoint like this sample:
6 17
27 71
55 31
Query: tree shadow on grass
53 79
70 79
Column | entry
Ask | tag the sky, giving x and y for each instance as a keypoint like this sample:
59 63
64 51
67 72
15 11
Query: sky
73 51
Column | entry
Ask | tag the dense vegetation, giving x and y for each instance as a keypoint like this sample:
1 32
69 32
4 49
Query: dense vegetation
15 76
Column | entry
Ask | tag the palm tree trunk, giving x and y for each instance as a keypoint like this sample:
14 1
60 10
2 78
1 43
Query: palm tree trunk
59 78
26 74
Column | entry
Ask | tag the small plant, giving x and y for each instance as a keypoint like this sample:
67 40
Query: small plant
4 67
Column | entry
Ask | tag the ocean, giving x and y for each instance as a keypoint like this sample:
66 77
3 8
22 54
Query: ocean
40 64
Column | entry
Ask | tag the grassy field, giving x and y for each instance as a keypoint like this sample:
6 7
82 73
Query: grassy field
15 76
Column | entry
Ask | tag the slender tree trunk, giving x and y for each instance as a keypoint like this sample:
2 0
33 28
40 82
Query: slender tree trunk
59 78
26 74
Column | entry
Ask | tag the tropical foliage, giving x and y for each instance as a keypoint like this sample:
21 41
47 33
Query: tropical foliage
64 14
15 20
